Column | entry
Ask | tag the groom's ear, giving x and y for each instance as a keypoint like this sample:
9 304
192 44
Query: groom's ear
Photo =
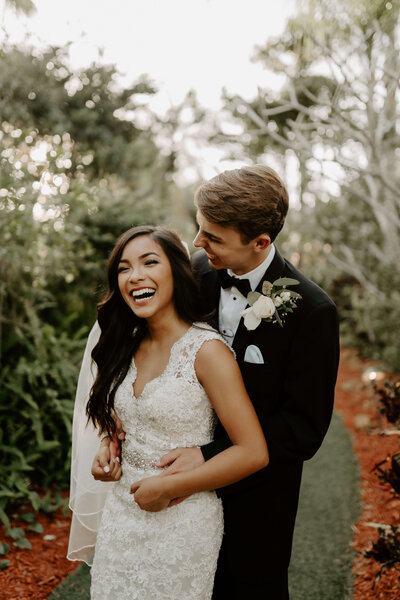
262 242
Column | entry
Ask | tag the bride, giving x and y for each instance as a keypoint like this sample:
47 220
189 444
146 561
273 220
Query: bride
166 376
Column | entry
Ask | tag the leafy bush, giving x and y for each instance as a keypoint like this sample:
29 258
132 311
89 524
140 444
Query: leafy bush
75 171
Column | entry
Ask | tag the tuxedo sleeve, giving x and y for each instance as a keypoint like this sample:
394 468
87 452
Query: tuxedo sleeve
297 428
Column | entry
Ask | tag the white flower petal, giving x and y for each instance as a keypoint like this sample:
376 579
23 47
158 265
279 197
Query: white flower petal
251 320
264 307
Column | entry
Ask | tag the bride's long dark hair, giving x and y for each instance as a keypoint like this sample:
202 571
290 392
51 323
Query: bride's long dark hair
122 331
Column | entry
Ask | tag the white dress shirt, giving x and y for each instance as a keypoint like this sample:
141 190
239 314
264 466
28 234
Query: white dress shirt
232 302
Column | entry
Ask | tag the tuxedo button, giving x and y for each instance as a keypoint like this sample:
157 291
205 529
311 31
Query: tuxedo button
234 298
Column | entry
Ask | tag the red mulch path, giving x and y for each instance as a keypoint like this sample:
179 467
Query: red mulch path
34 574
354 399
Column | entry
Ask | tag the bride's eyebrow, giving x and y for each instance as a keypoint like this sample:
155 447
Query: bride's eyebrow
148 254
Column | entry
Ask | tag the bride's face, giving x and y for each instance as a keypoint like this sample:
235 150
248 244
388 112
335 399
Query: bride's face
145 277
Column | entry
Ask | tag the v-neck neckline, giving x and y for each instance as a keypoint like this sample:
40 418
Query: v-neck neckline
134 367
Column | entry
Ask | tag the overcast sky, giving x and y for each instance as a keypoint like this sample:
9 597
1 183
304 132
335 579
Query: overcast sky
181 44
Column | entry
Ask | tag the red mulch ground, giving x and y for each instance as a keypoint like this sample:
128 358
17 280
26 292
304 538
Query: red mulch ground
34 574
355 400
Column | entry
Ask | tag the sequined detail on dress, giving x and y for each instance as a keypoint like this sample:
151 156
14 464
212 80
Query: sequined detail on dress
172 554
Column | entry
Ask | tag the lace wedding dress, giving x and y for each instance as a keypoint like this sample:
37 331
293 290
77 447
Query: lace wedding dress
171 554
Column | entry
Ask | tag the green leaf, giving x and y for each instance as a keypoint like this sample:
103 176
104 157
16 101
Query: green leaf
252 297
286 281
23 543
4 564
4 518
47 445
277 317
36 527
28 517
16 533
4 548
294 294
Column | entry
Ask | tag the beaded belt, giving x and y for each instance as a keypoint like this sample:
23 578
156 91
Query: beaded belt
137 460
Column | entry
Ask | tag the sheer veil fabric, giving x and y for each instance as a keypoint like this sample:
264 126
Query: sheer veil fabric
87 496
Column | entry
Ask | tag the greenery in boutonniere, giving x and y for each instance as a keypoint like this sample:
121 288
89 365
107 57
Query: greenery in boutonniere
275 302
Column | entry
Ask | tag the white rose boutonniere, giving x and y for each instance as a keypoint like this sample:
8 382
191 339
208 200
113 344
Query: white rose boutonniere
275 302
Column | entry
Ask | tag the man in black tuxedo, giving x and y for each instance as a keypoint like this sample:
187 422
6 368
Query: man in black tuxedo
289 372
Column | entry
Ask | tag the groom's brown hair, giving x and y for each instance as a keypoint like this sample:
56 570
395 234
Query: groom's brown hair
253 200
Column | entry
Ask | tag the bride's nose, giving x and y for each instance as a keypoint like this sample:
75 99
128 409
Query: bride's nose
136 274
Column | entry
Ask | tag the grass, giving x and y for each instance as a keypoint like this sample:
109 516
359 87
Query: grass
329 505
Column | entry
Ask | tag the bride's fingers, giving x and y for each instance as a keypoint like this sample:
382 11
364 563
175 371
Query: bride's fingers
177 500
115 448
113 466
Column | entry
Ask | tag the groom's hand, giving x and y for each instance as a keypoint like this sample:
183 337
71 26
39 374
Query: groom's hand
179 460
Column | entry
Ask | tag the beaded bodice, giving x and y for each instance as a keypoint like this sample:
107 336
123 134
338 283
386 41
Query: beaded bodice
173 409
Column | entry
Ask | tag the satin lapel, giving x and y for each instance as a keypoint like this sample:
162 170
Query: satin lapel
243 336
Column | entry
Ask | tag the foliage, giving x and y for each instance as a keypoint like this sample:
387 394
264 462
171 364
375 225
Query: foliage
75 171
390 476
334 126
389 398
386 549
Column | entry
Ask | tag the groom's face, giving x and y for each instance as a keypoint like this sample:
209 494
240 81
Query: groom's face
224 247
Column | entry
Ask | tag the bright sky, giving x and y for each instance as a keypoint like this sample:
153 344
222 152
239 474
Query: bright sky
181 44
203 45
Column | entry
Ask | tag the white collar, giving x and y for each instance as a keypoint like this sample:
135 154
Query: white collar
255 275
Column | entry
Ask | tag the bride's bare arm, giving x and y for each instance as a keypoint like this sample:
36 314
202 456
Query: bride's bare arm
220 376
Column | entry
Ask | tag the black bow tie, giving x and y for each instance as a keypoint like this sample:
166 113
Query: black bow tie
227 281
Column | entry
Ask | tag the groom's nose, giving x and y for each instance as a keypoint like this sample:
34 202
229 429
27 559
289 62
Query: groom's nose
199 241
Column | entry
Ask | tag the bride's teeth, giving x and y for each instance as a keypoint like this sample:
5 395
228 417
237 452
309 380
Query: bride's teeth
143 293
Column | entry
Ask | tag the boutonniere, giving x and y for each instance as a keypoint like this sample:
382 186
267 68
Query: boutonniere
275 302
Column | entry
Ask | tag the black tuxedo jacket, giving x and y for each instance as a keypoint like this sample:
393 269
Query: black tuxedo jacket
293 390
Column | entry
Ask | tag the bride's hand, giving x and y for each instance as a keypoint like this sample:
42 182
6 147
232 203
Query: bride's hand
104 466
151 494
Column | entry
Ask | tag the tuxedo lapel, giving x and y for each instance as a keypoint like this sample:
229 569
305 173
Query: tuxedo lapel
243 336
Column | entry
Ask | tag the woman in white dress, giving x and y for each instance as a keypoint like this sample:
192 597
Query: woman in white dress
165 376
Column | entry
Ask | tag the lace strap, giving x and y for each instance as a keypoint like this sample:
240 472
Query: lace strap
186 351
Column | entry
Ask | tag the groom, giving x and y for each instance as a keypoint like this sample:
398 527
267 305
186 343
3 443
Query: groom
289 370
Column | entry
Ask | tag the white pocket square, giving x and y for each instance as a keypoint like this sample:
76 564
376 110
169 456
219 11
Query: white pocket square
253 355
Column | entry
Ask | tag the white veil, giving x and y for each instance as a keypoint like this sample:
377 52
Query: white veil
87 496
